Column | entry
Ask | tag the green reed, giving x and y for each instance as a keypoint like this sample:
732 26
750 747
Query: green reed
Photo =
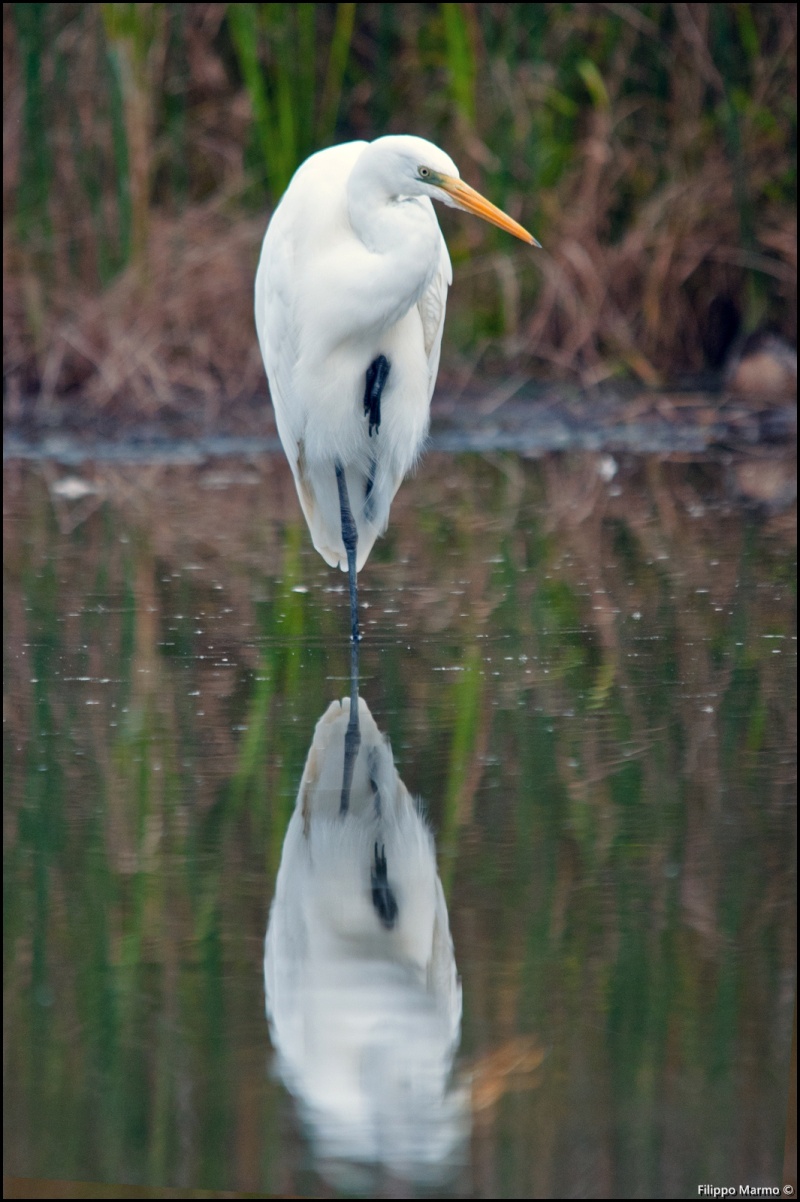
295 86
565 115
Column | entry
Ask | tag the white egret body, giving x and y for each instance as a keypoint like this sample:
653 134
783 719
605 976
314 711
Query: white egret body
350 301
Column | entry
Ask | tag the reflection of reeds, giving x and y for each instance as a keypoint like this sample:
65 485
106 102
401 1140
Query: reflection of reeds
652 151
610 767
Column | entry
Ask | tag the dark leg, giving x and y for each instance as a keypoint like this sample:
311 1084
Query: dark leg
352 738
369 501
377 373
372 762
383 899
350 540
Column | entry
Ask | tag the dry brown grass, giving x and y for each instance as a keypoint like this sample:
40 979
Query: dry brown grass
660 212
178 332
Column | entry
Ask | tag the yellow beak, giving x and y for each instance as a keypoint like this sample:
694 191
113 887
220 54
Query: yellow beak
467 198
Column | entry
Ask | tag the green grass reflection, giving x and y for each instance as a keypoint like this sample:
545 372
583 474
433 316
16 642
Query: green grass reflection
594 695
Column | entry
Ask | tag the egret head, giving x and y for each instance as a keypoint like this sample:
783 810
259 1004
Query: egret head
413 166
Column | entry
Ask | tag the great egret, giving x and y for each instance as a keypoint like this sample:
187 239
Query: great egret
350 299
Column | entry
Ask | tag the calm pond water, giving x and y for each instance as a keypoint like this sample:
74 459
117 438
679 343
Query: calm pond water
549 951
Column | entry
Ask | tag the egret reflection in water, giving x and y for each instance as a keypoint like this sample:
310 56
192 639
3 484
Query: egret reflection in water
362 993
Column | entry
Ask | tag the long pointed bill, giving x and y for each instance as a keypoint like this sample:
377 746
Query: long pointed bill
467 198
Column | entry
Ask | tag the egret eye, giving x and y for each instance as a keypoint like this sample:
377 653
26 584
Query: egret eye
424 172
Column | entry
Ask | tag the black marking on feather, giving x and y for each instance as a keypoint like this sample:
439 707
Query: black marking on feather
382 897
377 374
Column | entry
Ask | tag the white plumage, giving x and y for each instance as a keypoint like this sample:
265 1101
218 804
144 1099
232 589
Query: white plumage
354 267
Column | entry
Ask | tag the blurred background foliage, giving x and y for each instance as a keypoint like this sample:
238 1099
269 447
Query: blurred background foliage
651 148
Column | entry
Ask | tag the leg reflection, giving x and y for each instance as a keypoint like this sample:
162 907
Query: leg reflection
352 739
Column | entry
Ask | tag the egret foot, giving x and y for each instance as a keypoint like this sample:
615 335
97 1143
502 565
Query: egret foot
382 897
377 374
369 500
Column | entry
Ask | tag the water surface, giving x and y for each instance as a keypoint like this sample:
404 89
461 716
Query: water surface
580 671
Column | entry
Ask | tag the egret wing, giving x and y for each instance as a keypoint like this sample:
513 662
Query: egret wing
277 328
431 309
